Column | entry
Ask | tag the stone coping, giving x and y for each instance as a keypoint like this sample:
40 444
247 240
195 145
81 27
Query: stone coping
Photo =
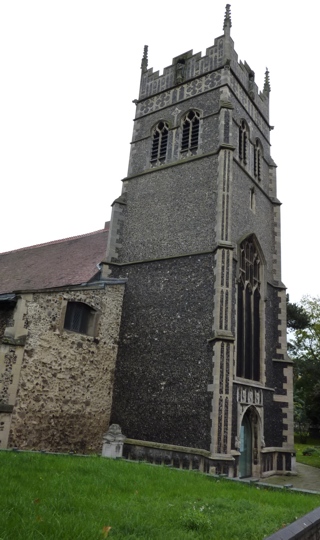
171 447
199 451
307 528
281 449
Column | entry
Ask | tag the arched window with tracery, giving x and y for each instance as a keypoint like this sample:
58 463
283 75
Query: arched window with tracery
243 142
190 133
249 308
257 158
159 143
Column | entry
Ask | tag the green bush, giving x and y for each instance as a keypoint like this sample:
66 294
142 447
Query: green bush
310 451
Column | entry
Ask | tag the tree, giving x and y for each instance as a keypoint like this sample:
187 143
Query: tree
297 316
301 420
304 319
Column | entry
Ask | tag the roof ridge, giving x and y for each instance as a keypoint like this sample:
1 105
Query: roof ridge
55 241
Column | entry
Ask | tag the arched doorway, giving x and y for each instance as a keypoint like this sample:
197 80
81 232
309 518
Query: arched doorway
249 437
245 462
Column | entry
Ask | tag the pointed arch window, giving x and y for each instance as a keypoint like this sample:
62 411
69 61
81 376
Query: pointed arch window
257 159
249 307
190 133
243 142
159 144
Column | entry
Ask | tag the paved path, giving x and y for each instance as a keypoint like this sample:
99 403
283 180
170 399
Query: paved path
307 478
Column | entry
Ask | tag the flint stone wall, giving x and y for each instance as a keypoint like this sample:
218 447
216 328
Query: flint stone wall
65 388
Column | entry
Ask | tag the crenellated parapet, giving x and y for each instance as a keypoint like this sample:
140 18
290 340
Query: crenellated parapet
184 67
187 67
244 86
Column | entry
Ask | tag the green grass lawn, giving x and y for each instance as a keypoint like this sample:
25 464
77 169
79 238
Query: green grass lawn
313 460
70 498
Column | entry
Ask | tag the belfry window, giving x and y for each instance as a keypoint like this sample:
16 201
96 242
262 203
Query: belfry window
159 144
249 305
80 318
243 142
190 133
257 157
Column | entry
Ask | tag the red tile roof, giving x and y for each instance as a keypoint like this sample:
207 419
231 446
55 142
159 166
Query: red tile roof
70 261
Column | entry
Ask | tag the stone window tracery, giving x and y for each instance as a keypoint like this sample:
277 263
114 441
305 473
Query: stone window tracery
190 133
159 144
248 317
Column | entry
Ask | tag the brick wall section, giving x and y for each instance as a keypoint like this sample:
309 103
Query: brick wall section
65 387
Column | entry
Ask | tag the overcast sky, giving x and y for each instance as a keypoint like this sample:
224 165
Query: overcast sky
69 72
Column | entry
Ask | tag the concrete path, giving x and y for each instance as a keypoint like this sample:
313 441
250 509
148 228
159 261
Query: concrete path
307 478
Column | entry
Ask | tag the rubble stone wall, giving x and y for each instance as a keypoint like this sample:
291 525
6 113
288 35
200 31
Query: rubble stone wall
65 387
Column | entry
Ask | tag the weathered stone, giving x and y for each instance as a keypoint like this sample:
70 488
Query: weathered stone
61 392
113 442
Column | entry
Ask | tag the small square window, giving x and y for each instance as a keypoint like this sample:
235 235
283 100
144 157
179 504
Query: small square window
79 318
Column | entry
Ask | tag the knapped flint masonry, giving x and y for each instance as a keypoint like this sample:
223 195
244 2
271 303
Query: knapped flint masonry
202 370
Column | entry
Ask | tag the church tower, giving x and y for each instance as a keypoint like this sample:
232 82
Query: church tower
202 377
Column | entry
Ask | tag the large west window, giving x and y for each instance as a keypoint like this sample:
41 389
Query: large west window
249 311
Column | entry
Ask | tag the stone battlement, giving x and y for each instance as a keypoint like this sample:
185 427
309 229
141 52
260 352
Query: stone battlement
188 66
